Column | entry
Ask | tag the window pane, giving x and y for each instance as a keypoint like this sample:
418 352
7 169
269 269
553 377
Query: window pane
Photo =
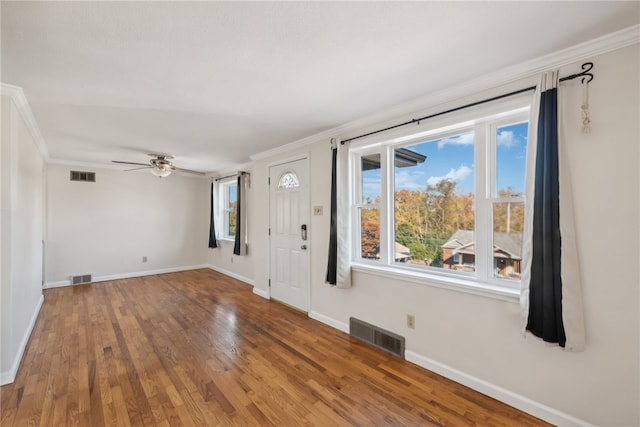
231 221
230 209
511 153
433 210
233 195
370 233
508 223
371 180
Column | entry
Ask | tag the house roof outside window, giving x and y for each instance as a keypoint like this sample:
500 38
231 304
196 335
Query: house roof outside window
505 245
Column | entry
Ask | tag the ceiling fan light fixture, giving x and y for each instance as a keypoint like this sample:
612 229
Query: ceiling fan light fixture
160 171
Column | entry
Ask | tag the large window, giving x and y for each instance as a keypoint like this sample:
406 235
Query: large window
448 201
229 204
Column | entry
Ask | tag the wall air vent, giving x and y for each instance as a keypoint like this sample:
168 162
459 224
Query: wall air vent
83 176
384 340
83 278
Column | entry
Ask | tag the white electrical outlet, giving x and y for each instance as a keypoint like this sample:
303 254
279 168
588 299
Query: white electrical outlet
411 321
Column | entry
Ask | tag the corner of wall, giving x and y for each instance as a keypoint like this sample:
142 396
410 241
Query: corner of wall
17 96
8 376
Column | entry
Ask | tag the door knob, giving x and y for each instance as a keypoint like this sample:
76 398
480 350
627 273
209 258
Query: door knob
303 247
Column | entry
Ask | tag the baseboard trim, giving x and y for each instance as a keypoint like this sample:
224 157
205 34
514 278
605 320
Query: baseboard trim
148 273
59 284
257 291
341 326
231 274
261 293
129 275
508 397
7 377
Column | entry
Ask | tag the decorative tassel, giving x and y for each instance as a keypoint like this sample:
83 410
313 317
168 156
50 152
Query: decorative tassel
586 121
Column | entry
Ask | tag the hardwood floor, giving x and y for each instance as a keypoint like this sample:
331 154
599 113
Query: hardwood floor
198 348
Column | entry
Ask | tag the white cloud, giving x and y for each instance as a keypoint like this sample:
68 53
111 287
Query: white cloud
405 180
455 175
371 187
465 139
507 139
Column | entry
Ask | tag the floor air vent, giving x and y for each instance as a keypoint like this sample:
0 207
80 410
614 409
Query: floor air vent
384 340
84 278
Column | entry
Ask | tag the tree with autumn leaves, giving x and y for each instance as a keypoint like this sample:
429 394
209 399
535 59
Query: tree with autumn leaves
426 219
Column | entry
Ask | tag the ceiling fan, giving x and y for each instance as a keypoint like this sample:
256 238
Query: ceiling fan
159 165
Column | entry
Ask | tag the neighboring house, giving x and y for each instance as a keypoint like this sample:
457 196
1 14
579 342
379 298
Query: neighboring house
458 253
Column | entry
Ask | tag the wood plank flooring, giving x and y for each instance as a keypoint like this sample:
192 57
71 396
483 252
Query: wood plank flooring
198 348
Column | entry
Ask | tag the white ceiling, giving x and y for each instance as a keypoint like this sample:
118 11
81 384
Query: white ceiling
215 82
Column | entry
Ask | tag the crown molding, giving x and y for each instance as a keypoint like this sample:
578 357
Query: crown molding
576 53
524 70
286 148
84 164
20 100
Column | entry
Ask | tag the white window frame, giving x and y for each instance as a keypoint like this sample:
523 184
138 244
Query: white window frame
223 195
483 121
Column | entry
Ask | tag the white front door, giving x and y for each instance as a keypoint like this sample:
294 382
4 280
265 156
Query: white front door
289 230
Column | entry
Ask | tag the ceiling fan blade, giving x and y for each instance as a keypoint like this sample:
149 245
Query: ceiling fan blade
131 163
188 171
141 167
160 163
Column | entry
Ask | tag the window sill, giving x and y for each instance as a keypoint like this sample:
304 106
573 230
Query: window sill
444 282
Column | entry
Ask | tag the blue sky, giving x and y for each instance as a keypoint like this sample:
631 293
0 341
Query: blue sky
511 154
233 193
452 158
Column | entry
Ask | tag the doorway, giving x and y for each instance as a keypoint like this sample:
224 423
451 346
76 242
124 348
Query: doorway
289 233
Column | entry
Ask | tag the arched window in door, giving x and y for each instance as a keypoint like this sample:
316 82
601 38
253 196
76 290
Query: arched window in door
288 180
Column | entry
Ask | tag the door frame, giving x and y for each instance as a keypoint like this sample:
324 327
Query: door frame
307 157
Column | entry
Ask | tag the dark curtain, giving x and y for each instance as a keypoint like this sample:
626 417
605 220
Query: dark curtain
332 267
238 243
545 287
213 243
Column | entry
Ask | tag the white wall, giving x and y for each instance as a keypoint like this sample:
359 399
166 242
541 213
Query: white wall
22 232
476 339
107 227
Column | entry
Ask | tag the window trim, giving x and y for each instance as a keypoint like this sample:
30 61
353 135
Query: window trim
488 117
441 281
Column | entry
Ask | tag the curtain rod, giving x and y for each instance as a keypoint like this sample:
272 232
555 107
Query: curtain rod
225 177
585 74
231 176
